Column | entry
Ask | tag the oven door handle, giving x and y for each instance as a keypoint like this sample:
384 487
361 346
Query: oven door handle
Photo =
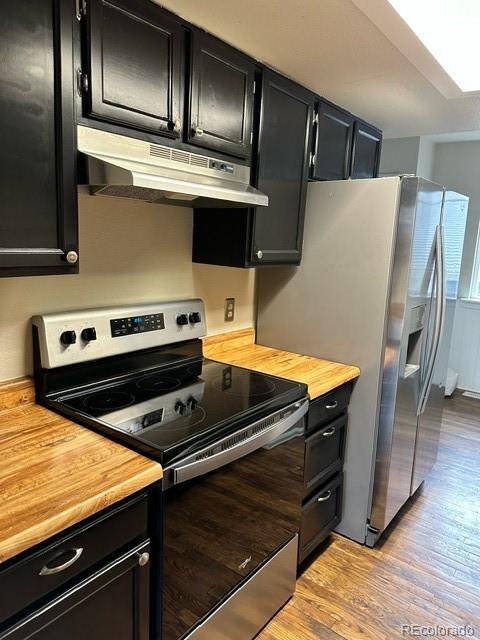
199 466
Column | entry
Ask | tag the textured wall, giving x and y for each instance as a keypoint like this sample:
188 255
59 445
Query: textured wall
130 252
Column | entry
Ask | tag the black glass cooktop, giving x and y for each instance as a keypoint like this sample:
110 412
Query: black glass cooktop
167 410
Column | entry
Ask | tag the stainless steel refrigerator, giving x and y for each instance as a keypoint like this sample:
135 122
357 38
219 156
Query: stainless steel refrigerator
371 291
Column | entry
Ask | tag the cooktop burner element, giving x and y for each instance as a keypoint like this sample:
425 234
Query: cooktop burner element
257 386
158 382
108 400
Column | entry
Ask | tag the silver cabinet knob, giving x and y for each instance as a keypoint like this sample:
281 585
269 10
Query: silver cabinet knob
197 131
259 254
143 558
72 257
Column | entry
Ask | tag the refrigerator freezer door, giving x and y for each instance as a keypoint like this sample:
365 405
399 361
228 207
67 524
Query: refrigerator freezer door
407 340
432 395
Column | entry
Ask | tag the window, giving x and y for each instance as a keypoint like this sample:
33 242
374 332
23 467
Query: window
454 222
475 284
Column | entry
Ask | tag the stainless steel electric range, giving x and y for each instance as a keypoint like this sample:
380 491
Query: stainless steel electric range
231 442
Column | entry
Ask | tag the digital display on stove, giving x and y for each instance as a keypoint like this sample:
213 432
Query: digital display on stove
136 324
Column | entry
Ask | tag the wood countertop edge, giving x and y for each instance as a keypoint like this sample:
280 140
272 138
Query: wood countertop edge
75 514
16 398
239 348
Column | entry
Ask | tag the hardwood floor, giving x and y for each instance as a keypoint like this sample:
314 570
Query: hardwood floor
427 569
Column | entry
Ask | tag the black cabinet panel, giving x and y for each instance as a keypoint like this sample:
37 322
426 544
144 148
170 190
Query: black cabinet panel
320 515
271 235
26 581
286 117
221 96
38 215
333 143
113 603
136 57
367 142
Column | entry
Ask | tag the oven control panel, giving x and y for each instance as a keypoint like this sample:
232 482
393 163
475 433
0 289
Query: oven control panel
137 324
80 336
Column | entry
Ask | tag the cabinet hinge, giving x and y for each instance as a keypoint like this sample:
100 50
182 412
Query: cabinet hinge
254 87
82 82
81 8
315 118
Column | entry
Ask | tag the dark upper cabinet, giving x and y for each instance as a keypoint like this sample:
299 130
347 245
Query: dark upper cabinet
333 143
221 96
38 214
344 146
269 235
283 165
367 144
135 53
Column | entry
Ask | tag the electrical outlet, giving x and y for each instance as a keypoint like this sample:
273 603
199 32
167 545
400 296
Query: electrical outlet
229 309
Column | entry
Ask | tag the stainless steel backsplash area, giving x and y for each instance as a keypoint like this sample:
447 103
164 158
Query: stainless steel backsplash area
129 252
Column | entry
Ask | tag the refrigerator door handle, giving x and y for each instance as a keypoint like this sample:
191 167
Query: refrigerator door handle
439 319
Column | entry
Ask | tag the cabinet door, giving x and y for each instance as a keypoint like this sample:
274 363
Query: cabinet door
333 143
367 142
284 148
135 66
113 603
221 96
38 211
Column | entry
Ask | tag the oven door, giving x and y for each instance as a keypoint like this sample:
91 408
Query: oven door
227 510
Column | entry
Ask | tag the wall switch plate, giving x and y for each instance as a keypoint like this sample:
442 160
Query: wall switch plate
229 309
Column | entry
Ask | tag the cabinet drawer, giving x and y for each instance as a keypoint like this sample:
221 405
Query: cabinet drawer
324 452
320 515
112 603
53 566
323 409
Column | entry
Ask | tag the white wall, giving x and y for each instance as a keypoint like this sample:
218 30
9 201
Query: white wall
130 252
399 156
457 165
408 155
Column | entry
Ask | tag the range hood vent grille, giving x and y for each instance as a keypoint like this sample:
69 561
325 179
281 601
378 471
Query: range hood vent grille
120 166
176 155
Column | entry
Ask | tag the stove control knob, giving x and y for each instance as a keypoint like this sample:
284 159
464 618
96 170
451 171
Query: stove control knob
182 319
89 334
195 317
68 337
181 408
192 403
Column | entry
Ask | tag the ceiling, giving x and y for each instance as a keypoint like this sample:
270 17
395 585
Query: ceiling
333 48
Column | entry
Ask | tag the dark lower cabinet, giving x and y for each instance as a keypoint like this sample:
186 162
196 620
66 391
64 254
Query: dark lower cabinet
38 213
112 603
92 582
271 235
221 96
323 478
135 69
367 146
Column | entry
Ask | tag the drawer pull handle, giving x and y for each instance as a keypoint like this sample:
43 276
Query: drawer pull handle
334 405
325 497
329 432
49 571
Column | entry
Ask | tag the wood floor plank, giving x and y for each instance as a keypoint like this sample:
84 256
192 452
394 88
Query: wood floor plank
426 571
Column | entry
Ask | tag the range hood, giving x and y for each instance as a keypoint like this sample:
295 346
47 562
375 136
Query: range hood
129 168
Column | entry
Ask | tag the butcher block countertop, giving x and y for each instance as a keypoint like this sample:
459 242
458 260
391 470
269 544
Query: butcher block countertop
239 348
55 473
